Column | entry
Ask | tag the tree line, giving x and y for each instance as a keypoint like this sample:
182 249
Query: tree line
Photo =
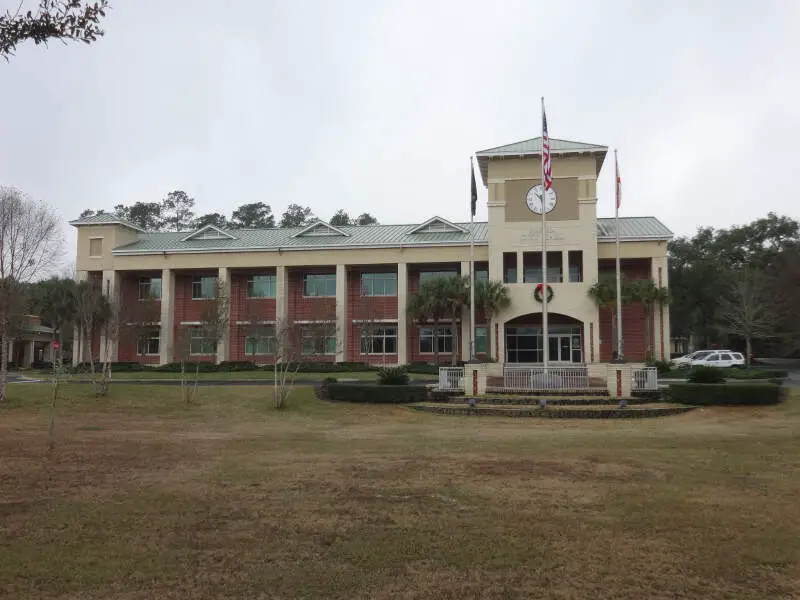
738 286
176 212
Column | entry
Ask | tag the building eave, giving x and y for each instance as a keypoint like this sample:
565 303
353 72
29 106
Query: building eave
464 243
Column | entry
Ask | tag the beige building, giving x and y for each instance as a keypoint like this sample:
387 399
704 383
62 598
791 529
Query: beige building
357 274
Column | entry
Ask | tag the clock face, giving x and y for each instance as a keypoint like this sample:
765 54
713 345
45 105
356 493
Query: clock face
534 199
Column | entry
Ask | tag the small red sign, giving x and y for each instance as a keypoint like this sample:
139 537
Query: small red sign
56 345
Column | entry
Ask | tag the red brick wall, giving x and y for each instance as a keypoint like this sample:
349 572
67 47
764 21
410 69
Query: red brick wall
370 309
633 321
188 310
414 354
135 311
301 308
243 309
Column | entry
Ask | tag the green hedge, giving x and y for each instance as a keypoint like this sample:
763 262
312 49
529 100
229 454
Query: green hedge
118 367
236 365
725 394
756 374
377 394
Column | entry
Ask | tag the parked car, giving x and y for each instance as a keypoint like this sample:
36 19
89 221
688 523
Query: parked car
684 362
720 358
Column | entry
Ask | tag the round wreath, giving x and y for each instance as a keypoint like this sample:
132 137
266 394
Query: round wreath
537 293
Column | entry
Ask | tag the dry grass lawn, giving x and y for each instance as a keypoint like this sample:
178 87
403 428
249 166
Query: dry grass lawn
143 498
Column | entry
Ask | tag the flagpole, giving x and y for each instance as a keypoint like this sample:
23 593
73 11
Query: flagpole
545 336
620 354
471 267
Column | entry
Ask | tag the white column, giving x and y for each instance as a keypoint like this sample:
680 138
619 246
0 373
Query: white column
660 275
77 339
224 286
466 326
520 270
281 296
341 313
166 342
110 289
402 321
28 359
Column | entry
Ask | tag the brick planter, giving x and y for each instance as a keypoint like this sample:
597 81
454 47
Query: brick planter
554 413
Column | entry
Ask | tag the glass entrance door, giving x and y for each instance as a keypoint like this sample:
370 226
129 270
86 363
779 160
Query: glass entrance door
524 345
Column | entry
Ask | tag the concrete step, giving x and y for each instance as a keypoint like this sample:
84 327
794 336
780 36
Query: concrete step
552 400
564 412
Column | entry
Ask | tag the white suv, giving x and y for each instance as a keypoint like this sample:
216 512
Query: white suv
719 358
684 362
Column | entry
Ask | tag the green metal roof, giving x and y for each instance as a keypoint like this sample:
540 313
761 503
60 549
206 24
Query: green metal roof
533 147
632 229
105 219
366 236
291 238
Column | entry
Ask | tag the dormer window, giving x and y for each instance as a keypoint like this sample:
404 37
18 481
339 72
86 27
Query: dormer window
320 229
438 225
209 232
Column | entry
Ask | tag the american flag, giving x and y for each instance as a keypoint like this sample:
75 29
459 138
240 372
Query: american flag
547 169
618 180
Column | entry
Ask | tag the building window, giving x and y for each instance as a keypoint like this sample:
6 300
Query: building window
200 343
426 275
148 344
575 259
481 340
379 340
261 286
533 267
379 284
509 267
481 274
316 340
444 340
204 288
149 288
317 286
96 247
266 343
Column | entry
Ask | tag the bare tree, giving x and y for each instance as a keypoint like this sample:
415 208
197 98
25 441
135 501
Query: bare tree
139 319
64 20
202 339
259 335
30 239
94 312
371 318
307 340
749 311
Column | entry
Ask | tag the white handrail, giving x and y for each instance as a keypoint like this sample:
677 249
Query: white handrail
451 379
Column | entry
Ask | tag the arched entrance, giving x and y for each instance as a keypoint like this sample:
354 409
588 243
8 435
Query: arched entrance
523 339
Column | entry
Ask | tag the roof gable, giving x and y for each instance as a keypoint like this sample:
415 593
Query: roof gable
105 219
533 147
438 225
209 232
320 229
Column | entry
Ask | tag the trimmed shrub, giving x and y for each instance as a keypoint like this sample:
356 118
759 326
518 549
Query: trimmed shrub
725 394
377 394
42 365
756 374
706 375
422 368
119 367
393 376
236 365
327 367
191 367
663 366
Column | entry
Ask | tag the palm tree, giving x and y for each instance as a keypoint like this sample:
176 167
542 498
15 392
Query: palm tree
604 294
649 295
454 293
55 301
426 305
491 297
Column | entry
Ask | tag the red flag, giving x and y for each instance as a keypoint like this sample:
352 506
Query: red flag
547 167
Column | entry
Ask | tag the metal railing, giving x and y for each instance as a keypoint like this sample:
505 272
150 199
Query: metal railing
451 379
645 378
534 379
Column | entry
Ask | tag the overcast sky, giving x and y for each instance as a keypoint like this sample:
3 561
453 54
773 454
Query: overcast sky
376 106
